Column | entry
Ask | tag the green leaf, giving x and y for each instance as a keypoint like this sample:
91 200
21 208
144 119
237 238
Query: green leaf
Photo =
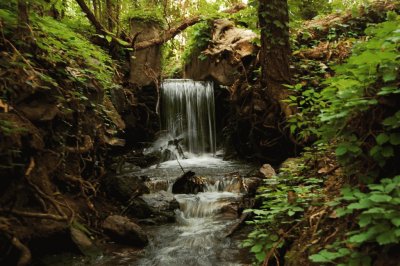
387 151
395 138
364 220
380 198
341 150
387 237
256 248
318 258
396 221
382 138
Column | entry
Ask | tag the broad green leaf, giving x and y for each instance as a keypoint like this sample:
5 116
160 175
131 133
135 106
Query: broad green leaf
382 138
380 198
341 150
387 237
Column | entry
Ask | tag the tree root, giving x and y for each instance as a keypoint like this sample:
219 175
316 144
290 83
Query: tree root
25 254
86 147
48 216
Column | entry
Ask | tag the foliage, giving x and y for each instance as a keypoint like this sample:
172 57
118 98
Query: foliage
154 15
366 80
308 9
56 36
362 115
284 201
378 221
199 36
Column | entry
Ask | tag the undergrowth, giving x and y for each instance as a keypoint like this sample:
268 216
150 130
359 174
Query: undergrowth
355 113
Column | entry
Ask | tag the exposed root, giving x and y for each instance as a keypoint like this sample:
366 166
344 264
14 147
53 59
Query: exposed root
85 147
25 254
48 216
84 185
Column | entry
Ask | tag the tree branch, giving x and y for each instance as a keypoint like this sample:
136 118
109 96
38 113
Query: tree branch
168 35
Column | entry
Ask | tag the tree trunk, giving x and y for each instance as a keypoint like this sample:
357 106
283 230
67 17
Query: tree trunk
275 50
95 9
109 13
92 18
23 20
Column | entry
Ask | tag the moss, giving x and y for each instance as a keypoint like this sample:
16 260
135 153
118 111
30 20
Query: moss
150 16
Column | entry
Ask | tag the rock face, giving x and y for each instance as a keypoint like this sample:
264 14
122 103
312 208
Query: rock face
123 230
188 183
145 65
226 55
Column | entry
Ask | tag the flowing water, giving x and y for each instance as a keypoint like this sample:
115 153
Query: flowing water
187 118
202 220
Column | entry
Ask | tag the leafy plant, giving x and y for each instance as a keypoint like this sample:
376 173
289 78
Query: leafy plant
378 220
283 205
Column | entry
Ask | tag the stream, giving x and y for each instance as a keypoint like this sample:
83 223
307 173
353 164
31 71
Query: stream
198 237
202 221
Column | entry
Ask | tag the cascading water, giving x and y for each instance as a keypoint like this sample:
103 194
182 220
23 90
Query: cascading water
188 116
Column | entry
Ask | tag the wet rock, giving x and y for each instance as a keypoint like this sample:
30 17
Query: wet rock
123 230
267 171
161 201
124 187
138 208
188 183
230 211
236 184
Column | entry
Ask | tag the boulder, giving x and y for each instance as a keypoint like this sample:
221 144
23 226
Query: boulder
124 187
122 230
83 242
188 183
229 51
236 184
267 171
251 184
161 201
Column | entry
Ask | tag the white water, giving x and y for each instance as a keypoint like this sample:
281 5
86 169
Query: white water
198 236
187 115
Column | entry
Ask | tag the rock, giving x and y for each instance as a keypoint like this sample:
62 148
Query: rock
83 242
267 171
138 208
188 183
230 49
230 211
290 163
123 230
161 201
252 183
236 184
124 187
145 64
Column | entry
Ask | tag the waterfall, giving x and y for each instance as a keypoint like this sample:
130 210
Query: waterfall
188 113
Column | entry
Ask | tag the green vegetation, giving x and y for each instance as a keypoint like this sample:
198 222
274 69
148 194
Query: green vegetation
356 114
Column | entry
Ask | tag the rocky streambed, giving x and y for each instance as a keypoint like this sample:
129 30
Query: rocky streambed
186 228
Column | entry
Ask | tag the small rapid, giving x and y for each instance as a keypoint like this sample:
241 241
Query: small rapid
198 237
